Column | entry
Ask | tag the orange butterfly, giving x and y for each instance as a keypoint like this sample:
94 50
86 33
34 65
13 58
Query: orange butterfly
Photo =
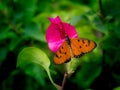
74 47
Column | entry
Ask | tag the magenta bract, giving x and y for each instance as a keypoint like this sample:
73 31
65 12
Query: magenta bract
56 32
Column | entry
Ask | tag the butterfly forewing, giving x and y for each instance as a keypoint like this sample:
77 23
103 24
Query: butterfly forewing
81 46
63 54
76 47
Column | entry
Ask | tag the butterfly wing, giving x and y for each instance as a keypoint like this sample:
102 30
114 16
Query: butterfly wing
63 54
81 46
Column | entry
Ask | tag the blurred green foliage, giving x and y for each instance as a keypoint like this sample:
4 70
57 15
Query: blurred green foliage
23 23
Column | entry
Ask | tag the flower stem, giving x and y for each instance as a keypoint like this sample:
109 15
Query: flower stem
64 80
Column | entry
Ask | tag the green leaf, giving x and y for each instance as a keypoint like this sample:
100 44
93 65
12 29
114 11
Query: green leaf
34 31
3 53
36 56
33 55
27 82
107 10
2 6
80 20
95 22
36 72
7 34
15 42
87 74
117 88
27 9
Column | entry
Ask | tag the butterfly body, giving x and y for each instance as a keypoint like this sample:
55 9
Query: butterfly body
73 47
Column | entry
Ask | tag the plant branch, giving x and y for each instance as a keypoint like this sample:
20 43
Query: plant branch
14 27
64 80
101 11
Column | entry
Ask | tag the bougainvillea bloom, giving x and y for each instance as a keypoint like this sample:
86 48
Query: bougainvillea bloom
57 31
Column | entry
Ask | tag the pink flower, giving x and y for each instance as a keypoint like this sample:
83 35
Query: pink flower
56 32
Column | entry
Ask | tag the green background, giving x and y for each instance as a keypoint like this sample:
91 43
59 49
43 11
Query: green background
23 23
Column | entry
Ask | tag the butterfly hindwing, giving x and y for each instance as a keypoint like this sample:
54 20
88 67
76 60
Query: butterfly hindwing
63 54
81 46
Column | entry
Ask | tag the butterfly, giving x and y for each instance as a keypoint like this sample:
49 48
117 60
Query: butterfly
73 48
